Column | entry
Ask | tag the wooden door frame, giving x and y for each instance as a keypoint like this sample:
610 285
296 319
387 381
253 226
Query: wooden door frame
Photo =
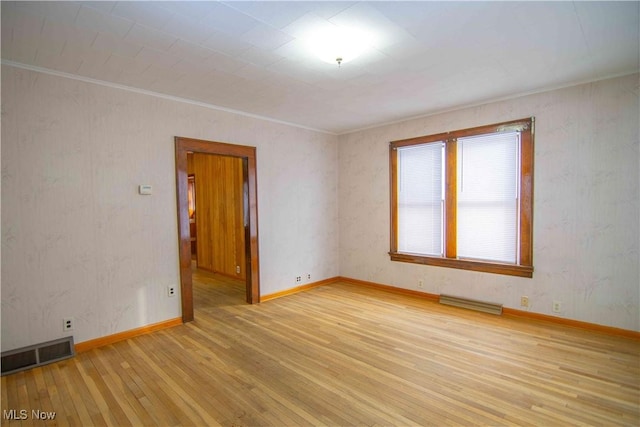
250 196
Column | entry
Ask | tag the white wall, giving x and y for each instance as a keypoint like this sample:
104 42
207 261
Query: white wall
586 205
77 239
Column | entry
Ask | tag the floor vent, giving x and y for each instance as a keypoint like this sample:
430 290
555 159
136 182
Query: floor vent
36 355
485 307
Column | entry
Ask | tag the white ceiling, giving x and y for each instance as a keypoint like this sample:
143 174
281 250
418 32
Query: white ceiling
249 56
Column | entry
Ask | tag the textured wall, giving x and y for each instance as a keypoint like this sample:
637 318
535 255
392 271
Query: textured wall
77 239
586 205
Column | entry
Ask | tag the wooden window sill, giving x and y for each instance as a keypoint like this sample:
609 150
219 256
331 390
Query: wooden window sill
486 267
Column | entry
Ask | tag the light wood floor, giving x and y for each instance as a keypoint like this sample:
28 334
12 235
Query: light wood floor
340 355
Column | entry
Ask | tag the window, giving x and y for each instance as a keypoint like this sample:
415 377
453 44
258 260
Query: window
464 199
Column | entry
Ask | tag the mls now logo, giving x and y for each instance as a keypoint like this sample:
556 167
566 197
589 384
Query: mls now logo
23 414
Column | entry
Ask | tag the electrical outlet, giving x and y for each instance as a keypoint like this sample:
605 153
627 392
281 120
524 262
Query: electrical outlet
298 279
420 284
67 324
557 306
524 301
171 291
237 269
309 276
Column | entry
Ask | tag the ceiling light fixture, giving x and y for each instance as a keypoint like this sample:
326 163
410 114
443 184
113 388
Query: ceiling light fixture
339 45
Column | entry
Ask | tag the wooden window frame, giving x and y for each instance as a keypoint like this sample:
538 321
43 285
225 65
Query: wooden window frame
524 266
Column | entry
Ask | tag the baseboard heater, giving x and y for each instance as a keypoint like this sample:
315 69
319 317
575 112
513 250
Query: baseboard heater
486 307
29 357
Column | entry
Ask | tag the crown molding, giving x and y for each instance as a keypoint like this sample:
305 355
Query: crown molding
157 95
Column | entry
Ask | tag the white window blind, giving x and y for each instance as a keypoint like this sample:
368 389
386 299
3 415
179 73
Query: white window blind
487 198
420 199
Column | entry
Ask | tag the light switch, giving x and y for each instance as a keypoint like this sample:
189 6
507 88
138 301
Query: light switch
145 189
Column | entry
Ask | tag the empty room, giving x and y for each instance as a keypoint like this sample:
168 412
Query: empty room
264 213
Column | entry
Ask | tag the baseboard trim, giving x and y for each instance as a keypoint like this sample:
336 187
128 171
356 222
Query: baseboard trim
295 290
121 336
508 312
393 289
594 327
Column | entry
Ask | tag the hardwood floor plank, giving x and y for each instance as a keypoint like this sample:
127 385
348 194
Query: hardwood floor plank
154 393
11 405
182 371
67 412
185 402
23 396
4 389
113 384
340 354
60 399
99 411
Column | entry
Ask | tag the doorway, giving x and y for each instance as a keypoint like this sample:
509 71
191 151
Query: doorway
184 146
